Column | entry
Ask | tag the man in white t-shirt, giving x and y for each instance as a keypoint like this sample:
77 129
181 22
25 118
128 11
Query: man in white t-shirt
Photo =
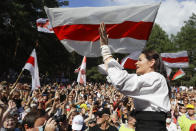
170 125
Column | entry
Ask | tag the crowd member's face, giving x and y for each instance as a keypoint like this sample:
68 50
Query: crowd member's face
183 109
143 65
117 98
45 98
125 111
9 123
185 101
70 98
90 100
191 112
192 102
103 119
131 121
178 96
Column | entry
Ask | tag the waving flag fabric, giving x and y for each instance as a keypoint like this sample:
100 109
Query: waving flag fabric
32 66
176 60
128 27
43 25
168 70
82 72
129 61
180 73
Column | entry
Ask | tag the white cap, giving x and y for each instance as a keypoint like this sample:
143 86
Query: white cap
77 122
168 120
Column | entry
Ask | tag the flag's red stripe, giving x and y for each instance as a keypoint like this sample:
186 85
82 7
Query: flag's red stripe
130 64
31 60
88 32
175 60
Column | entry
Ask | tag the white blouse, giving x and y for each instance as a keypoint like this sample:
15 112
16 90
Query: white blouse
150 91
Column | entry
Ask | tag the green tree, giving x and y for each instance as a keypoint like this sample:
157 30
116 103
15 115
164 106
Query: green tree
159 40
186 40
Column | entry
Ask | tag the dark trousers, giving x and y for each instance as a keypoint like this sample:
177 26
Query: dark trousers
150 121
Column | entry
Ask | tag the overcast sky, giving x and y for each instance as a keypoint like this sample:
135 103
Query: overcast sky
171 15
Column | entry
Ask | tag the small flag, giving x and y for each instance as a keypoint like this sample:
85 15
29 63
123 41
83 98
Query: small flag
168 70
82 72
43 25
32 66
77 70
180 73
129 61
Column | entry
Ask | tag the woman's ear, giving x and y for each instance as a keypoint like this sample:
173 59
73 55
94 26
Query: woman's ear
152 62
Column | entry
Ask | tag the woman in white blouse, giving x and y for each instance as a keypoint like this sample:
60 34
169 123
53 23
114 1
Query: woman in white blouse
148 86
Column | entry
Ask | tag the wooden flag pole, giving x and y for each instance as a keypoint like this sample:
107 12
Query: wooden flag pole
14 86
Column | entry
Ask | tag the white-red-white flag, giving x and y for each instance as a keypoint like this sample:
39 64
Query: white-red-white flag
128 27
32 66
168 70
129 61
82 72
43 25
176 60
77 70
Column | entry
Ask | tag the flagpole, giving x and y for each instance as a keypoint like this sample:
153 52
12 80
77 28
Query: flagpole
13 87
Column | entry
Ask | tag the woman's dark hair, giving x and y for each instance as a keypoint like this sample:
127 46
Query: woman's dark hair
158 66
32 116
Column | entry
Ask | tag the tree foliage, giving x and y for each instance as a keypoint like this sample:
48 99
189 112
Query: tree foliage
19 36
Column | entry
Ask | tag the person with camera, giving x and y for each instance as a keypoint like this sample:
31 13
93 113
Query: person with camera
149 86
103 118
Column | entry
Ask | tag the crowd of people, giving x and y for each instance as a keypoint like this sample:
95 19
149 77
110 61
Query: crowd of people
73 107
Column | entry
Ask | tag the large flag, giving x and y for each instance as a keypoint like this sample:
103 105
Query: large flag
82 72
180 73
129 61
43 25
32 66
176 60
128 27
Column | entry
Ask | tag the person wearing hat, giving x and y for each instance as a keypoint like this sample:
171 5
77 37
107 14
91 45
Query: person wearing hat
77 123
148 86
186 120
103 118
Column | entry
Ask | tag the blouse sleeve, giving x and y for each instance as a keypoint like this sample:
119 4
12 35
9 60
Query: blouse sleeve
130 84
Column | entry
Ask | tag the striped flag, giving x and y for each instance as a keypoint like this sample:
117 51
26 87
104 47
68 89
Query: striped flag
43 25
168 70
32 66
180 73
129 61
77 70
128 27
176 60
82 72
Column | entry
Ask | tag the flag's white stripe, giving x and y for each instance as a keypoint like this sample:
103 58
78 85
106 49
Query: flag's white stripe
175 55
96 15
41 20
44 30
127 45
177 65
29 67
